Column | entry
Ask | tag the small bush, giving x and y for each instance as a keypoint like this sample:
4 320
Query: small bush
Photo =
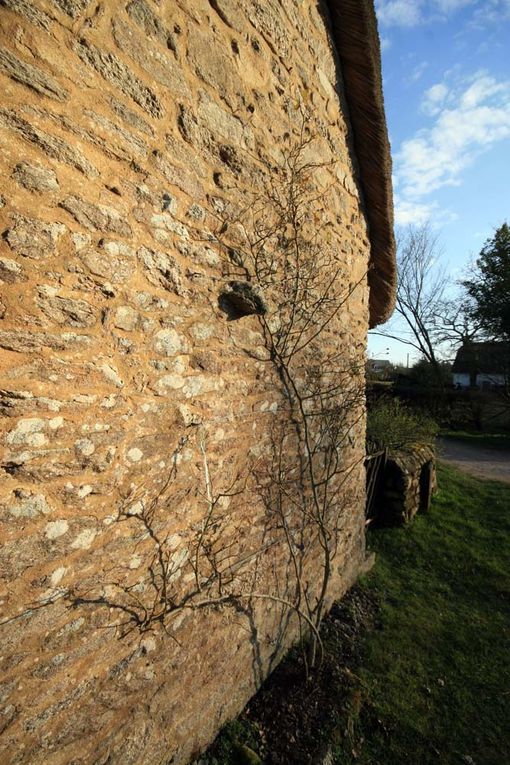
391 424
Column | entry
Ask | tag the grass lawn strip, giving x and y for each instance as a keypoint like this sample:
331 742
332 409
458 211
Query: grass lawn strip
417 657
437 675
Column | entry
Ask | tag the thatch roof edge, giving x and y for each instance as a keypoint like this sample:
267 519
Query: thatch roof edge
354 27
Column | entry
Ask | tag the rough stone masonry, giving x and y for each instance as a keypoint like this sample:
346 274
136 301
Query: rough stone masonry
132 403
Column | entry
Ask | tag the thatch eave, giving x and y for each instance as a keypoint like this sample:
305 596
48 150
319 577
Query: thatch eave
354 27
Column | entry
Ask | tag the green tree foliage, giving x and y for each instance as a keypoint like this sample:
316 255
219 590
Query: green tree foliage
490 286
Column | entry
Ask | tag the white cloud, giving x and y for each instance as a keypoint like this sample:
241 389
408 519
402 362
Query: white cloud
449 6
385 43
468 120
409 212
491 11
434 99
403 13
410 13
415 213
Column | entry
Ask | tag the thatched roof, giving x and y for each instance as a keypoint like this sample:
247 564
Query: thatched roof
357 41
483 358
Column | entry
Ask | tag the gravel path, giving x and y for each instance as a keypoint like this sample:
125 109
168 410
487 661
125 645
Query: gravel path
475 460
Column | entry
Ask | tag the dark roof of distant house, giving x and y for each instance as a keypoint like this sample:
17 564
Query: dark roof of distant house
357 41
482 358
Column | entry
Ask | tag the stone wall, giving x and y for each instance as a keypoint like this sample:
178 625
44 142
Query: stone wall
407 484
130 401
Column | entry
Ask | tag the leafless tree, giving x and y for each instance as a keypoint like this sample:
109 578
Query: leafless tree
430 316
421 293
456 323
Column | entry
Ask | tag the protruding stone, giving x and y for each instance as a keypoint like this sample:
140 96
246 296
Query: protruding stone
33 238
161 67
31 76
97 217
126 318
28 432
74 313
196 212
116 262
72 8
84 540
10 271
188 416
56 529
134 454
51 145
29 11
28 505
35 177
111 375
161 269
33 342
85 447
113 70
165 222
169 343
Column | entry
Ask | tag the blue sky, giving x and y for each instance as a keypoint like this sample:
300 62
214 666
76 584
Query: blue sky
446 70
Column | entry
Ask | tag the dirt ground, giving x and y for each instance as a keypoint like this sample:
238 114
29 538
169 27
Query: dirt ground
475 460
295 721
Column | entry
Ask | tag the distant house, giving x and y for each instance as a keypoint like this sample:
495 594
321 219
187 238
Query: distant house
482 365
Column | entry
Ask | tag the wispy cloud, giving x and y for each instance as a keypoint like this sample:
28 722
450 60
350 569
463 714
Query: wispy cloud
490 12
408 211
402 13
417 72
468 118
415 213
434 99
410 13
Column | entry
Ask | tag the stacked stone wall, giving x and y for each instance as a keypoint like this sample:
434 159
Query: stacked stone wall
127 129
408 482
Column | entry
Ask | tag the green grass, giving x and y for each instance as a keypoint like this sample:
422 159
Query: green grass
435 678
496 441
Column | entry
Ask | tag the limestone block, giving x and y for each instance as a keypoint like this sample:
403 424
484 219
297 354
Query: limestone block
35 177
10 271
27 9
67 311
161 269
34 342
93 217
72 8
130 117
161 67
214 65
29 505
52 146
115 72
126 318
170 343
141 13
115 261
31 76
33 238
